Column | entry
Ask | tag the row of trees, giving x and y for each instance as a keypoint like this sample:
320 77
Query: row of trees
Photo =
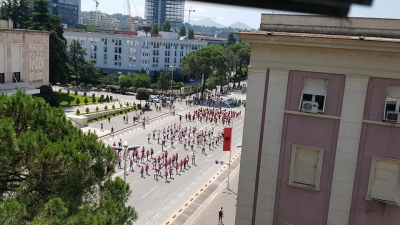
46 179
216 64
35 15
155 29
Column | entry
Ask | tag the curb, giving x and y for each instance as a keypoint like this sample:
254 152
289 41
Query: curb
198 193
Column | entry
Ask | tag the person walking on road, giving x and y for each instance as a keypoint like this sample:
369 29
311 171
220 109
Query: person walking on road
109 118
193 159
220 216
101 127
112 131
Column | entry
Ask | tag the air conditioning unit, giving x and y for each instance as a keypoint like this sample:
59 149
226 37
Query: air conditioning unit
393 117
307 106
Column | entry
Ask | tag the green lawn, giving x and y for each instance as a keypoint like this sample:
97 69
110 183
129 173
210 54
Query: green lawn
63 98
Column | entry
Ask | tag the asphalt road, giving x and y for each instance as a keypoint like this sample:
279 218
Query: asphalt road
157 201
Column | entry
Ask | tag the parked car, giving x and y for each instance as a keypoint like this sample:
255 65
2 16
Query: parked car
191 80
156 100
150 100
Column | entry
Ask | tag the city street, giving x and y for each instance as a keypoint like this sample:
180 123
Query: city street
157 201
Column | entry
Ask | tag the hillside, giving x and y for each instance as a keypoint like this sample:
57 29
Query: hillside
207 23
240 25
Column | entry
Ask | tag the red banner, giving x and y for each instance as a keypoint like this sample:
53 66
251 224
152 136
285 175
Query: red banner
227 139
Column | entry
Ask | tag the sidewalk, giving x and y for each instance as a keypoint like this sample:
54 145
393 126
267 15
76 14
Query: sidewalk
207 213
118 123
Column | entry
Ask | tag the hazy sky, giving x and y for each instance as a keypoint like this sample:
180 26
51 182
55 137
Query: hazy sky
227 15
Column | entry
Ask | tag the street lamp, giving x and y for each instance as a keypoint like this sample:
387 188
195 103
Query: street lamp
125 145
170 96
230 151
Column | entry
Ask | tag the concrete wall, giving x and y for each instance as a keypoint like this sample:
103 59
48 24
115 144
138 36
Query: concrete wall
34 61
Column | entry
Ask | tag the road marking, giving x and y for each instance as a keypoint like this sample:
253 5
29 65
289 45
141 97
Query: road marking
133 182
181 193
172 201
165 207
147 223
156 215
186 188
198 178
193 182
150 191
204 173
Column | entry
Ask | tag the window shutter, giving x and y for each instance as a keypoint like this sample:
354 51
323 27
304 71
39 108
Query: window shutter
314 86
385 184
306 166
394 91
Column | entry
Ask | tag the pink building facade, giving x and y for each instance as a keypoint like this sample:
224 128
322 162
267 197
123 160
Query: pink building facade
322 123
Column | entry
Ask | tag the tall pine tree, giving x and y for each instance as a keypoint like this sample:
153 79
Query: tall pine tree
42 20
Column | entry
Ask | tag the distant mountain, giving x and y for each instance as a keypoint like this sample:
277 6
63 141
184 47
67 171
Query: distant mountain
207 23
240 26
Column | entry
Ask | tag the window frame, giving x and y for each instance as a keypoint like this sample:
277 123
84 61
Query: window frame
316 186
313 96
397 106
372 175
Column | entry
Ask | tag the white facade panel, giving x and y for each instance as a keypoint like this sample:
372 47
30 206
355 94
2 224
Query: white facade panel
2 57
393 91
16 58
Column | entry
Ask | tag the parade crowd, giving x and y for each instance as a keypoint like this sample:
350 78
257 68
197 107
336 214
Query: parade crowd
166 163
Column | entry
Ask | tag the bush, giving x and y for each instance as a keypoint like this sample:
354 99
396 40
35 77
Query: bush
81 84
84 93
111 98
107 99
68 91
78 101
100 100
113 107
97 108
73 83
105 107
139 106
86 101
102 96
89 86
93 95
127 104
120 105
108 89
69 101
93 100
59 90
76 92
52 100
78 112
45 90
87 110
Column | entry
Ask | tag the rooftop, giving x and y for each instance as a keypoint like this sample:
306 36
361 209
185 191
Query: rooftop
324 25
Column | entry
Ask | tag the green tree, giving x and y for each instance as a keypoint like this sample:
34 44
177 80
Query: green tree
154 29
77 60
182 30
55 180
18 11
58 56
191 34
242 52
86 101
163 82
142 94
231 39
141 80
206 61
125 81
78 101
166 26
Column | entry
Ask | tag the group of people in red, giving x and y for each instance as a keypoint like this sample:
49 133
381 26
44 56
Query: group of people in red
213 115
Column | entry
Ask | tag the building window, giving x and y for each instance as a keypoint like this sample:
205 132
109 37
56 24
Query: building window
16 77
384 180
105 62
392 105
305 167
105 48
2 78
313 95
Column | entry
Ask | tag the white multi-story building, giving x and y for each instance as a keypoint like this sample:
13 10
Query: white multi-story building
102 20
124 52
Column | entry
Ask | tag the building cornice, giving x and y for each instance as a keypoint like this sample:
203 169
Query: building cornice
321 41
38 32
